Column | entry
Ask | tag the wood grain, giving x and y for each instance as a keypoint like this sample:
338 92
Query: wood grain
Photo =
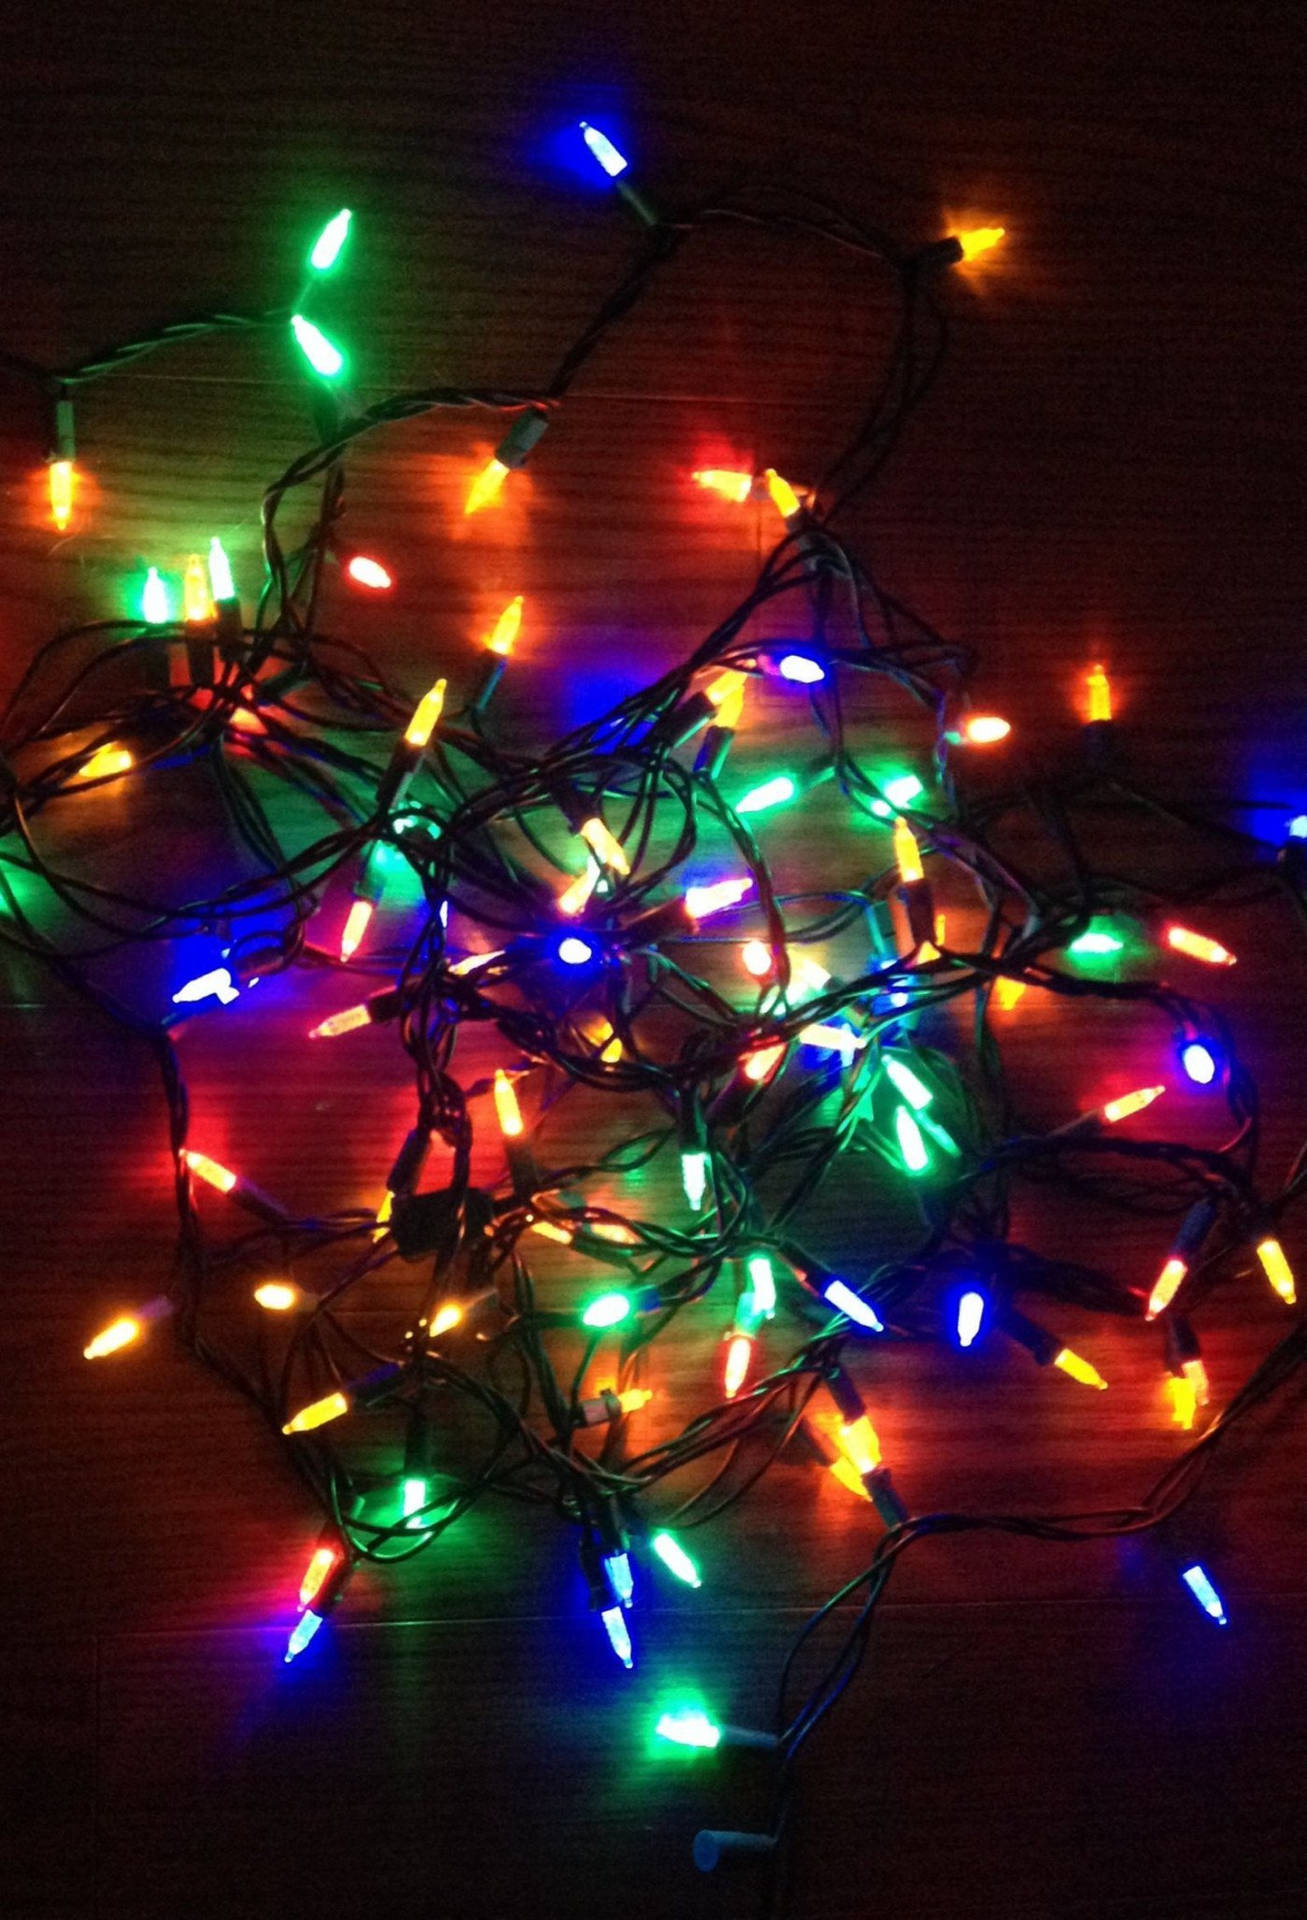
1111 462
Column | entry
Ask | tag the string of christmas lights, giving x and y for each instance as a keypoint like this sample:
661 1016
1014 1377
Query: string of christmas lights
603 930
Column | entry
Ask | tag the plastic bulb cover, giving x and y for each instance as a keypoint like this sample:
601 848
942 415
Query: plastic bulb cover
603 150
1075 1367
366 572
688 1727
356 925
118 1334
1129 1103
739 1356
221 584
1094 942
762 1284
619 1635
507 1111
604 845
575 953
700 902
731 486
772 793
1200 1586
1166 1286
278 1296
425 715
859 1440
105 762
907 854
156 608
305 1628
210 1171
61 494
781 494
1277 1269
756 958
1199 1062
327 247
216 984
197 603
620 1578
975 241
346 1021
985 729
971 1315
694 1177
322 1564
1099 689
676 1560
1199 947
838 1294
910 1085
485 487
323 356
911 1145
507 628
330 1407
801 668
609 1310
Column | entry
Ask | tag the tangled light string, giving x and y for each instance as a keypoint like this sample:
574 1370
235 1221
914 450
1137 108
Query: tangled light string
600 922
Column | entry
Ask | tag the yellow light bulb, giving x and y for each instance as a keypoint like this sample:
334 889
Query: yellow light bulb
848 1476
633 1399
1008 992
575 895
607 850
1166 1286
1277 1269
104 763
551 1230
1075 1368
485 487
859 1440
1130 1103
507 628
1196 1374
277 1296
729 711
930 949
724 688
444 1318
119 1333
782 495
383 1216
608 1042
735 487
209 1170
506 1107
1099 689
197 603
977 240
1184 1401
907 853
425 715
61 493
330 1407
985 729
756 958
344 1022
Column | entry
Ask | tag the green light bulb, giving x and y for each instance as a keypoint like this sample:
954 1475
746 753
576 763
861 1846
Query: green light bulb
676 1560
1095 942
772 793
911 1144
327 246
156 610
609 1310
914 1090
688 1727
322 356
221 584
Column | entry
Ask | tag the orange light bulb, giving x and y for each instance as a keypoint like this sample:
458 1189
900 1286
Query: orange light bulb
1130 1103
506 1108
1199 947
507 628
62 476
485 487
425 715
735 487
975 241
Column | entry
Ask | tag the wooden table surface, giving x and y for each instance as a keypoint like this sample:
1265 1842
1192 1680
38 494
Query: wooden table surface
1111 463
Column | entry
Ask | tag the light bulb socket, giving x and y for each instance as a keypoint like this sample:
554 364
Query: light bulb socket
526 431
719 1847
